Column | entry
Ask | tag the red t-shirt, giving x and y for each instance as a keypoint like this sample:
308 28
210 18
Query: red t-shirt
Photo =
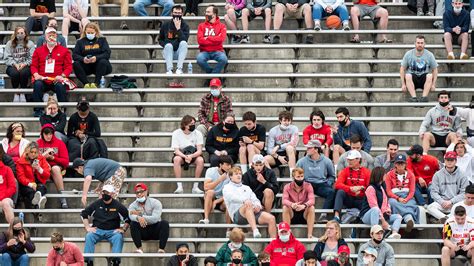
215 112
426 168
367 2
14 152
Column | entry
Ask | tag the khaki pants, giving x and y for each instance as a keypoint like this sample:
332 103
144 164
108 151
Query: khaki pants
95 6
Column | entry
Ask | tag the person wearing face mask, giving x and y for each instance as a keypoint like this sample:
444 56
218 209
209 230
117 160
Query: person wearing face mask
63 253
91 56
223 139
214 107
456 22
187 144
14 143
237 258
285 250
74 16
210 261
53 23
383 255
263 259
57 118
40 11
18 55
370 256
445 125
252 138
106 214
15 243
343 257
225 254
145 214
182 257
356 143
318 129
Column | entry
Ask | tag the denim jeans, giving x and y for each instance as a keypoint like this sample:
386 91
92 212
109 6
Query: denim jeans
372 217
340 11
342 199
139 6
169 55
40 87
23 260
419 195
220 57
325 191
116 239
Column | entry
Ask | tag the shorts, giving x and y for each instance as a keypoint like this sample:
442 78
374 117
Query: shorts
240 220
366 10
298 218
440 141
74 27
280 153
298 14
460 253
419 81
252 14
238 13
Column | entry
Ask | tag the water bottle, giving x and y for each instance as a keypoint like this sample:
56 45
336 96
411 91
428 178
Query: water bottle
2 83
102 83
190 68
21 216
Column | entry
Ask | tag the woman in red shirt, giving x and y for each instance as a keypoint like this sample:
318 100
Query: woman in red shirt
318 130
14 144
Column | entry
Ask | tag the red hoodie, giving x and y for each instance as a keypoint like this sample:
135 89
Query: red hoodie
348 178
426 168
62 64
323 134
211 36
26 174
61 156
7 182
285 254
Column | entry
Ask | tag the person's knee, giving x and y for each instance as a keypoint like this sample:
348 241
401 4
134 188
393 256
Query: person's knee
290 149
268 193
222 58
383 13
177 160
280 8
138 5
90 238
38 84
210 194
199 160
447 35
355 12
164 224
245 12
168 4
445 250
183 44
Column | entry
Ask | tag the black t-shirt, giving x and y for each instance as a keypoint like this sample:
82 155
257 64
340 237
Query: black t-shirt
89 125
106 216
43 6
257 135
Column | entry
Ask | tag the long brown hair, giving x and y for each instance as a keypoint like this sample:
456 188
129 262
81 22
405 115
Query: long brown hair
9 233
15 41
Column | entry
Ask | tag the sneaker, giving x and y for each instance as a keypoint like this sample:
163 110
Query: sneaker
309 39
353 233
22 98
323 218
348 218
423 99
317 26
16 98
169 72
205 221
276 39
139 251
395 236
227 233
64 204
196 190
178 71
430 13
410 225
256 234
36 198
179 191
337 219
235 39
245 39
345 26
413 100
87 86
42 202
124 25
267 39
464 56
451 56
45 97
419 12
161 250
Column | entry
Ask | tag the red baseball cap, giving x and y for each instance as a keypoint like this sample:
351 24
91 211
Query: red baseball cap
451 155
283 226
344 249
140 185
215 82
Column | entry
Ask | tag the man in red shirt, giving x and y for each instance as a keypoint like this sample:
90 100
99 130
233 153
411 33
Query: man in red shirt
423 167
369 8
51 64
285 250
319 130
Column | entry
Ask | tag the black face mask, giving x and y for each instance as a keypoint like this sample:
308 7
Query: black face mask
265 263
83 107
209 17
177 16
236 261
57 249
299 182
182 257
343 123
106 197
16 231
377 241
444 104
229 126
192 128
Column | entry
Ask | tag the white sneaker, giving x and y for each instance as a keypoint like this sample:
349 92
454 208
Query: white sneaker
256 234
169 72
22 98
196 190
42 202
227 233
139 251
16 98
45 97
36 198
178 71
395 236
179 191
204 221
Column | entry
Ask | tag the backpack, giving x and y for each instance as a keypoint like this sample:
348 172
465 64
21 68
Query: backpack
118 83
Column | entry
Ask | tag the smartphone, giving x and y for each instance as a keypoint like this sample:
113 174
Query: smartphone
88 56
35 161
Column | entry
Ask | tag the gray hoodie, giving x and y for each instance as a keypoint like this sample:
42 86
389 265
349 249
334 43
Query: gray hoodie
386 255
19 54
448 186
317 171
440 121
286 137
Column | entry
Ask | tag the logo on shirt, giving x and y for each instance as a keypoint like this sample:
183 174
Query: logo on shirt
209 32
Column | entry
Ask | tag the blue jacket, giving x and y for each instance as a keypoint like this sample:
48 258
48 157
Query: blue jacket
355 127
451 20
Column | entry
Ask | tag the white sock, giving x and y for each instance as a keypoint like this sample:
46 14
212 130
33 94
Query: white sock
244 168
196 185
180 185
291 172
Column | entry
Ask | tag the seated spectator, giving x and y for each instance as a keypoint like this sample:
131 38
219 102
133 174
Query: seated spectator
140 6
309 258
299 9
375 12
54 116
14 143
376 207
14 243
211 36
215 180
285 249
351 184
418 70
244 207
376 242
327 246
223 139
252 138
40 11
282 142
370 257
213 108
468 115
123 9
400 187
356 143
187 144
63 252
106 214
345 130
18 55
55 153
343 257
74 16
457 237
52 23
447 188
319 130
255 9
32 173
262 181
456 22
465 160
182 257
146 222
467 203
8 188
423 166
91 56
51 66
445 126
106 171
387 159
233 12
263 259
326 8
298 202
173 38
319 173
236 242
210 261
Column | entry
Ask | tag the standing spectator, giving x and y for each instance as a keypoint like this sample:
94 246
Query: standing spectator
146 223
319 173
456 22
262 181
63 252
285 249
32 173
91 56
465 160
211 36
40 11
52 23
51 65
252 138
14 143
418 70
298 202
106 214
376 13
140 5
387 159
282 142
187 144
445 126
74 16
457 237
319 130
468 115
328 245
56 118
192 7
55 152
325 8
356 143
299 9
233 12
182 257
236 242
173 38
423 166
213 108
223 140
255 9
14 243
18 55
447 188
385 252
8 188
123 9
467 203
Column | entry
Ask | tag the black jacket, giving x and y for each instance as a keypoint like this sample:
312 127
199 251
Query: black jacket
90 124
8 161
319 248
58 121
219 140
169 34
250 179
98 47
174 261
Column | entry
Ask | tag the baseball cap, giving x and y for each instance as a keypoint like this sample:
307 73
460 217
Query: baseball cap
344 249
215 82
400 158
415 149
451 155
77 162
314 143
257 158
50 29
370 250
108 188
140 185
375 229
353 154
283 226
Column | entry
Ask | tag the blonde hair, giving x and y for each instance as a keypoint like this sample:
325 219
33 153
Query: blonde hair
297 171
237 235
51 101
324 238
234 170
91 25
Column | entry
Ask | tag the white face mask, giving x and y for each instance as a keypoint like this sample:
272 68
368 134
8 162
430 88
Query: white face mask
141 200
367 260
457 10
236 245
283 127
284 238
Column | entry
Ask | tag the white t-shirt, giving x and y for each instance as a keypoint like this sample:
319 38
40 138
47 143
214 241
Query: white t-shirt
72 7
466 163
469 209
459 234
180 140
